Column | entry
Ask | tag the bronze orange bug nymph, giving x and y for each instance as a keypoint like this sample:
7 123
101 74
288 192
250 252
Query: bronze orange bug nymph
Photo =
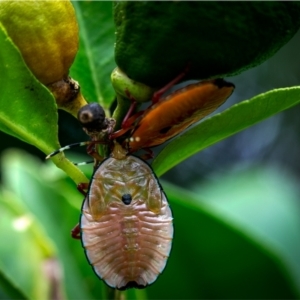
126 224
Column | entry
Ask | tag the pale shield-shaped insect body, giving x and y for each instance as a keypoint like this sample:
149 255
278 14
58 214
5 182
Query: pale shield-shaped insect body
126 222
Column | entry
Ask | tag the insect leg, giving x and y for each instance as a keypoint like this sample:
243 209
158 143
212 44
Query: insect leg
148 155
157 95
75 232
82 187
92 151
128 126
129 118
131 109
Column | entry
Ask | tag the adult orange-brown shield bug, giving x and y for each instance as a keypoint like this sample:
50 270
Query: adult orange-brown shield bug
172 114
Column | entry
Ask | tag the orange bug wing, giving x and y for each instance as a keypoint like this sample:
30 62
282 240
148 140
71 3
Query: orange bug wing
173 114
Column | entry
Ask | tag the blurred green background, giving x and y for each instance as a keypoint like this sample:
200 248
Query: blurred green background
236 210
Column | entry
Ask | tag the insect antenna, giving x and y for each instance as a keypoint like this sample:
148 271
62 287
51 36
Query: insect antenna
68 147
71 146
96 126
84 163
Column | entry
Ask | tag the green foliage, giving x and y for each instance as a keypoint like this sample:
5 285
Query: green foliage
21 95
225 124
26 240
8 290
27 109
213 245
248 249
95 60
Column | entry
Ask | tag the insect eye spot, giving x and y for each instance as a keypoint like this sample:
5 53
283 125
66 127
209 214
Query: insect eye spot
126 199
85 117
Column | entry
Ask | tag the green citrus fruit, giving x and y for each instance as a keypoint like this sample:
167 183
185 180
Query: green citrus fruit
46 33
123 84
155 41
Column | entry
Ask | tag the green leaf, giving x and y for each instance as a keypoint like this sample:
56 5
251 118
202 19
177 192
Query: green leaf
155 41
213 257
25 256
263 200
27 109
56 206
8 290
223 125
134 294
95 60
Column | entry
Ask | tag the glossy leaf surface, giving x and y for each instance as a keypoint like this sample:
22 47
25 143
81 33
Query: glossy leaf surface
27 109
225 124
211 248
95 60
